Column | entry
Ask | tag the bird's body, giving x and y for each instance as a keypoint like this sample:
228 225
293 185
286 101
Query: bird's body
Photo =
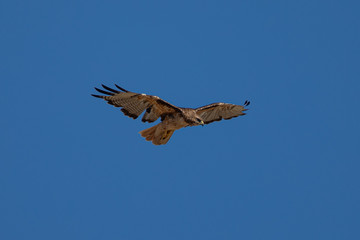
172 117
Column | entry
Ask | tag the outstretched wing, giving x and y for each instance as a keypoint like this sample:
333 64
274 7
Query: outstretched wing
133 104
218 111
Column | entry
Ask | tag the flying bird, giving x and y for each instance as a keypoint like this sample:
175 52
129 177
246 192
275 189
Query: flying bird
172 117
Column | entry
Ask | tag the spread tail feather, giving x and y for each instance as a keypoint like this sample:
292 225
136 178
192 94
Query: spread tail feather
157 134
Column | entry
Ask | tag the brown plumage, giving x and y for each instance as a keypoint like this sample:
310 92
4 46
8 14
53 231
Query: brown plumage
172 117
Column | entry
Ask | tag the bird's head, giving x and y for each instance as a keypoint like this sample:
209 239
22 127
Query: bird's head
200 121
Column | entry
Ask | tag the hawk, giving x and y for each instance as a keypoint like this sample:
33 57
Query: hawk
172 117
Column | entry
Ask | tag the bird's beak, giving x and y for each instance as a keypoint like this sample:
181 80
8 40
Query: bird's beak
202 123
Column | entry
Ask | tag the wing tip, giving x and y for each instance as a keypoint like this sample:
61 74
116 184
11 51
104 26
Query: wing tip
97 96
104 92
122 89
109 89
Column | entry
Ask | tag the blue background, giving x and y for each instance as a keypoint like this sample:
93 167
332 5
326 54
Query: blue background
73 167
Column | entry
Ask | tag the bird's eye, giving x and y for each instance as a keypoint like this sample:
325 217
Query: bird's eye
198 119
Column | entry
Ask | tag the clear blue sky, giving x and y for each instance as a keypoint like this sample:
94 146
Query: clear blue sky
73 167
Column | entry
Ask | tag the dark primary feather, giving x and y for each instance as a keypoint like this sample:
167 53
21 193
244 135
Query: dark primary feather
110 89
104 92
121 88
